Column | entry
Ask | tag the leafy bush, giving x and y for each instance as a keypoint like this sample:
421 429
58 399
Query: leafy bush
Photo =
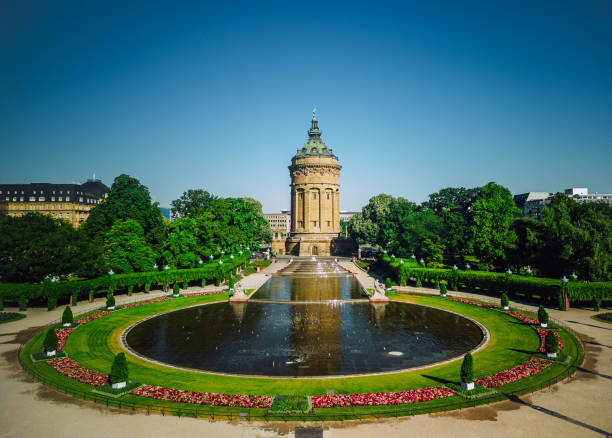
551 343
467 369
10 316
443 289
176 289
388 283
231 283
185 285
419 283
110 301
597 306
67 317
505 302
542 315
289 403
119 369
50 342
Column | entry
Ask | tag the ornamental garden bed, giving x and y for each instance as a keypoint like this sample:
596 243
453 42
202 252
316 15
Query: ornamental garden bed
109 391
290 404
92 347
479 391
10 316
42 356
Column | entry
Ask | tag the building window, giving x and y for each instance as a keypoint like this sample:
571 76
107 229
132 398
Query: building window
314 223
60 215
314 196
53 198
300 224
67 199
52 207
329 223
21 207
301 196
15 199
21 199
60 198
327 196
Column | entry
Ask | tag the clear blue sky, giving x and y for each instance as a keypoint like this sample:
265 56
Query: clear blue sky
412 97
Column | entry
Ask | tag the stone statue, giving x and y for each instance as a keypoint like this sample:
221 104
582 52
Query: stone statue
379 292
239 292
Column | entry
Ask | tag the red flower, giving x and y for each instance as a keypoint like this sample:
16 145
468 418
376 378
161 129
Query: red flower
75 371
542 332
93 316
473 303
526 319
62 335
382 398
522 371
203 398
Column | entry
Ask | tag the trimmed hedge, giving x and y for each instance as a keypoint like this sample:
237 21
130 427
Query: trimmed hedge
547 289
23 293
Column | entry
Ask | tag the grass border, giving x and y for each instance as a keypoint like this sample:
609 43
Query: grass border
549 376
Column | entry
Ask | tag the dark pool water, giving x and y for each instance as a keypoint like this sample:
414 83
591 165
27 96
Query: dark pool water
325 338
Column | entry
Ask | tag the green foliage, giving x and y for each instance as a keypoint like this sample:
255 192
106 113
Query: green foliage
34 246
289 403
125 248
119 369
67 316
576 237
231 283
467 369
181 245
505 302
127 199
551 343
10 316
110 301
176 289
542 315
50 342
492 214
388 283
597 306
443 289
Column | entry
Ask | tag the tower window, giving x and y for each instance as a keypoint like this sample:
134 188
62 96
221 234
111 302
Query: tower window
329 223
328 196
314 196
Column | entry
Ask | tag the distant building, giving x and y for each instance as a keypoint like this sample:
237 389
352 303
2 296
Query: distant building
347 215
69 202
280 223
531 203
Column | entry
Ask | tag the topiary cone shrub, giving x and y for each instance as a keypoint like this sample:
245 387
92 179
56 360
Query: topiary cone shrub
119 371
551 343
67 317
419 283
50 343
388 283
542 316
110 302
231 283
505 302
467 372
176 290
443 290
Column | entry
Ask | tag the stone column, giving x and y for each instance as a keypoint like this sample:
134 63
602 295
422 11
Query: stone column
337 212
294 210
306 210
321 192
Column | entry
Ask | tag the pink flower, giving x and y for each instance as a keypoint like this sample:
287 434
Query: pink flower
75 371
473 303
382 398
93 316
526 319
203 398
522 371
62 335
542 332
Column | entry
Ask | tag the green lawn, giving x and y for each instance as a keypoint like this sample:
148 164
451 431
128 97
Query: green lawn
94 345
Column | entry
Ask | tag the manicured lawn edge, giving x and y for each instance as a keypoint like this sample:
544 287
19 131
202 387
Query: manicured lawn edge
94 344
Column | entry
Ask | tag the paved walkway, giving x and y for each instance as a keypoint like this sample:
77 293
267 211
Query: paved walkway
575 408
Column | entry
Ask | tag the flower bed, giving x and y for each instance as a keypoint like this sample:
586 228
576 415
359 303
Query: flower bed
382 398
93 316
196 294
62 335
75 371
522 371
473 303
542 332
526 319
143 303
203 398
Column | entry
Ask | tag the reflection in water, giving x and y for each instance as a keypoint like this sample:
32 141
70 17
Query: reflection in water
304 339
310 288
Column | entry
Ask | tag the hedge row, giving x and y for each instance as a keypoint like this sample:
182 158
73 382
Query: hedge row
547 289
22 293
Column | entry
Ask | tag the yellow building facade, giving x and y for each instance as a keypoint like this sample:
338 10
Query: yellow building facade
69 202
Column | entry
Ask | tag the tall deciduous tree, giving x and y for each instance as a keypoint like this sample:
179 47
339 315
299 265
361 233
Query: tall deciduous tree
127 199
492 214
126 249
181 248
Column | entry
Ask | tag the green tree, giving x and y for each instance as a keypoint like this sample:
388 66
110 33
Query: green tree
528 244
467 368
34 246
492 214
576 237
119 369
453 205
127 199
181 245
194 202
125 248
50 342
67 317
362 229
